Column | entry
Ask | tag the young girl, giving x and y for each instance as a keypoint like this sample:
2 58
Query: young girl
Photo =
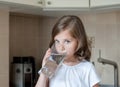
76 70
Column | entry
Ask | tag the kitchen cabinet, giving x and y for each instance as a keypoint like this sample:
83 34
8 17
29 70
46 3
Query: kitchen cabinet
104 3
41 6
23 2
66 4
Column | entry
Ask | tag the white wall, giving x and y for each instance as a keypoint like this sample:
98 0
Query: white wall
4 48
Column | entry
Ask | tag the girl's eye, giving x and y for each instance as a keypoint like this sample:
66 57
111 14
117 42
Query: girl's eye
67 41
56 41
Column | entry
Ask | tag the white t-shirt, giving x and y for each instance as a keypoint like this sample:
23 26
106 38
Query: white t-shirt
80 75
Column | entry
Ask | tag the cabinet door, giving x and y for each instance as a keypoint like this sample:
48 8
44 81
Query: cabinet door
101 3
67 3
24 2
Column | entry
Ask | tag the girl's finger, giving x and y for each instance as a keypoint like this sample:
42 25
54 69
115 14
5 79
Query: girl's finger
47 54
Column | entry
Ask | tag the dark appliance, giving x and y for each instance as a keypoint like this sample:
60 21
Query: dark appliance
23 71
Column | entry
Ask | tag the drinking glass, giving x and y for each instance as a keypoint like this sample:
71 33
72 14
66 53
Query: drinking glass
53 63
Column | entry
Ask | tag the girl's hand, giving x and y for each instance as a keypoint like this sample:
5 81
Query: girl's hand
47 55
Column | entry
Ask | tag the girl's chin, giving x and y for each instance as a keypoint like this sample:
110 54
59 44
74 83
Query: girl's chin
67 57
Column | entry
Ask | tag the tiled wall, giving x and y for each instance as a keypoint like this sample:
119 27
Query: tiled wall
105 28
25 37
29 36
4 48
33 36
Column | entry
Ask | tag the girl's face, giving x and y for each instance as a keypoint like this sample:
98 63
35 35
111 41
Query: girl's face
64 42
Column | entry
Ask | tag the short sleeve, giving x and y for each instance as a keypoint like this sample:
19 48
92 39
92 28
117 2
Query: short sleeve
93 76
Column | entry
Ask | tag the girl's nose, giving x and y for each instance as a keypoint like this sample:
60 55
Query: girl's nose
62 48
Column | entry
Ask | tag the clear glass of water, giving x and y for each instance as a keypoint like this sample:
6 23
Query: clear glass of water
53 62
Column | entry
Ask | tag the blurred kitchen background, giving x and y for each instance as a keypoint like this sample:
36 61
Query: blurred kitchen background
26 33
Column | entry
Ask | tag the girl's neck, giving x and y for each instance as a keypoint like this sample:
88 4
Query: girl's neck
71 61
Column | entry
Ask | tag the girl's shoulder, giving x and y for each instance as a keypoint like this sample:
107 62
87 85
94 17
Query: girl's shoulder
85 64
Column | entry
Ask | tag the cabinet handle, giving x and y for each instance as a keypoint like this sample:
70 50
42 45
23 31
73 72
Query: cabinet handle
49 3
40 2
